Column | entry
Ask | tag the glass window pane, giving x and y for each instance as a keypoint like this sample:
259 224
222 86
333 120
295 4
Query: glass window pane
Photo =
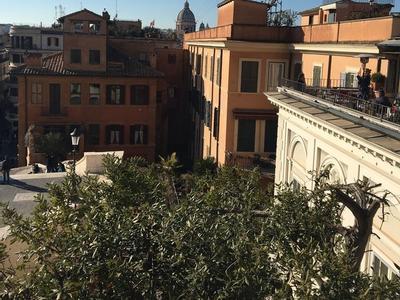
271 132
249 77
246 135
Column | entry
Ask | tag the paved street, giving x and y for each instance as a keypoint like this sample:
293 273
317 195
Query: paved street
21 191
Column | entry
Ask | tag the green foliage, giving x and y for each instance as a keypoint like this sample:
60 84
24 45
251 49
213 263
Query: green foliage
205 166
378 77
145 233
52 144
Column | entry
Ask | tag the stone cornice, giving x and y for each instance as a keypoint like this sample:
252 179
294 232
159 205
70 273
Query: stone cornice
385 155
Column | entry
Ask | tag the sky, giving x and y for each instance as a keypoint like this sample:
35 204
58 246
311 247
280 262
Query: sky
164 12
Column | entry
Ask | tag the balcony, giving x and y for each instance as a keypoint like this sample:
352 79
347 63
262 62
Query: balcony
340 97
359 31
265 163
254 33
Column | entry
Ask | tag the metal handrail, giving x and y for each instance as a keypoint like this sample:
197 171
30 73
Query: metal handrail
339 98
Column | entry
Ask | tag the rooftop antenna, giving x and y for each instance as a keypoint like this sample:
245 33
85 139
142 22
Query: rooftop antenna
81 5
116 9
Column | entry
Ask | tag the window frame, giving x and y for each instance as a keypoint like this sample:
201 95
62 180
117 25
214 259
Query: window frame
218 80
199 59
75 96
35 94
212 68
93 95
134 93
82 26
260 131
113 128
241 61
109 94
144 128
96 137
285 74
76 51
96 26
205 66
93 54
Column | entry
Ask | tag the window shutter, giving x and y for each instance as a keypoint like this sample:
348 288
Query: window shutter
246 135
122 87
216 123
343 79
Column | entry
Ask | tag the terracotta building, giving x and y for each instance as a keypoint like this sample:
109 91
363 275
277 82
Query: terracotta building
244 71
234 63
345 10
95 84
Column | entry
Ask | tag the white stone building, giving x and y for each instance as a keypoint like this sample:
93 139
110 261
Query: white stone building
314 133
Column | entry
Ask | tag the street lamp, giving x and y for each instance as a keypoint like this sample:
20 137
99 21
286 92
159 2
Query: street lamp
75 143
75 136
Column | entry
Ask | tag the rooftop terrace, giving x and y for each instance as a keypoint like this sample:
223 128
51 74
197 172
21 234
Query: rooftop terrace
358 31
348 112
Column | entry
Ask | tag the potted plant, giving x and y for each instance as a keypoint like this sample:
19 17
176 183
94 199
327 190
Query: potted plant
378 81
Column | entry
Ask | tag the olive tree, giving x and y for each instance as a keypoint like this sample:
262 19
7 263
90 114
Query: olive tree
145 232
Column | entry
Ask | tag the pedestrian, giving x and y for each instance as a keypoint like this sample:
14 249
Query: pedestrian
6 167
364 81
383 100
301 82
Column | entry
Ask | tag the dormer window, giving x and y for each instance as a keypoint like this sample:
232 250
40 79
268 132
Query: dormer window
94 27
78 26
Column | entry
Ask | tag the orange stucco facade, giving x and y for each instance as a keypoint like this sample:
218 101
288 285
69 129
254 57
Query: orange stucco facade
122 97
324 52
86 114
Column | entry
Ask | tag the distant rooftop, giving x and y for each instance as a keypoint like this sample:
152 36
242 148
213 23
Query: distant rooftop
118 66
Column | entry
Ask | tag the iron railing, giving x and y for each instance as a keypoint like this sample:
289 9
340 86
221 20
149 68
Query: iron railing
340 98
330 83
266 163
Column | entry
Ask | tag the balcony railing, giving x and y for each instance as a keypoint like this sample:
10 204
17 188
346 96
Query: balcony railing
266 163
330 83
341 98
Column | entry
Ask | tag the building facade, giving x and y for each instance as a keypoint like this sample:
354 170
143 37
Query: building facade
234 63
314 134
110 97
29 39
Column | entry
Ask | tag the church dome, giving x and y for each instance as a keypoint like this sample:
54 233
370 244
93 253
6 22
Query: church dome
186 15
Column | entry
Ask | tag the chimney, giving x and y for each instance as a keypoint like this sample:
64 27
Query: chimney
33 60
106 15
242 12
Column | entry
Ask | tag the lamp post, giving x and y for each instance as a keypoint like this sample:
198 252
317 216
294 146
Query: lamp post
75 143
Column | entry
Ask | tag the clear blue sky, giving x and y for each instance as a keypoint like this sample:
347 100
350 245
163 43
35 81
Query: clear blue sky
164 12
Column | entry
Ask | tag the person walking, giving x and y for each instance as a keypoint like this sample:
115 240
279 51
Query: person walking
6 167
